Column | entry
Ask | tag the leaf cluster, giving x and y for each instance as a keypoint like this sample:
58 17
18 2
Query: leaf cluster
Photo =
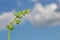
17 20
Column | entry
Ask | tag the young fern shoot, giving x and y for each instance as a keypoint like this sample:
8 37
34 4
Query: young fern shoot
16 20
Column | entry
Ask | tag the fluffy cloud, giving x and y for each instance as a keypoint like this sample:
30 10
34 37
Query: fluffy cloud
59 1
6 18
44 15
40 15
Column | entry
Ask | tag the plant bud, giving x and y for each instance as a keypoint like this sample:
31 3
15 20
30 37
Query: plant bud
17 21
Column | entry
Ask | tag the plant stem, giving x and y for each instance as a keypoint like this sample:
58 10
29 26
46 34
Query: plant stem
8 34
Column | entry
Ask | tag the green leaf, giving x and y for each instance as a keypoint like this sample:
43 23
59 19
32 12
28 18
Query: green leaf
18 15
18 21
12 28
11 23
8 26
23 12
27 11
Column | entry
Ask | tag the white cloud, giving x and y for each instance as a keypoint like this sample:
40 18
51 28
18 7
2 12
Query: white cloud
59 1
6 18
44 15
59 4
40 15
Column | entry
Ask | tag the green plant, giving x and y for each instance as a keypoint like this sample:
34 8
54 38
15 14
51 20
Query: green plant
16 20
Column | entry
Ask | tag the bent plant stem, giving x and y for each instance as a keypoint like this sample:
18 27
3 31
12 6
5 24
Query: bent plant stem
10 30
16 20
9 34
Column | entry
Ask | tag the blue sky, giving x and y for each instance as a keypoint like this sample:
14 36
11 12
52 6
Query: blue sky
42 23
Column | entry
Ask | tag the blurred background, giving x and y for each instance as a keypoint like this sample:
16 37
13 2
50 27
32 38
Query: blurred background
42 23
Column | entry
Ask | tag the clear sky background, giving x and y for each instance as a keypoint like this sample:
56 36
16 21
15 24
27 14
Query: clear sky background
42 23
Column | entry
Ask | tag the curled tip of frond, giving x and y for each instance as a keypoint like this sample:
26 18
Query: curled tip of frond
23 12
